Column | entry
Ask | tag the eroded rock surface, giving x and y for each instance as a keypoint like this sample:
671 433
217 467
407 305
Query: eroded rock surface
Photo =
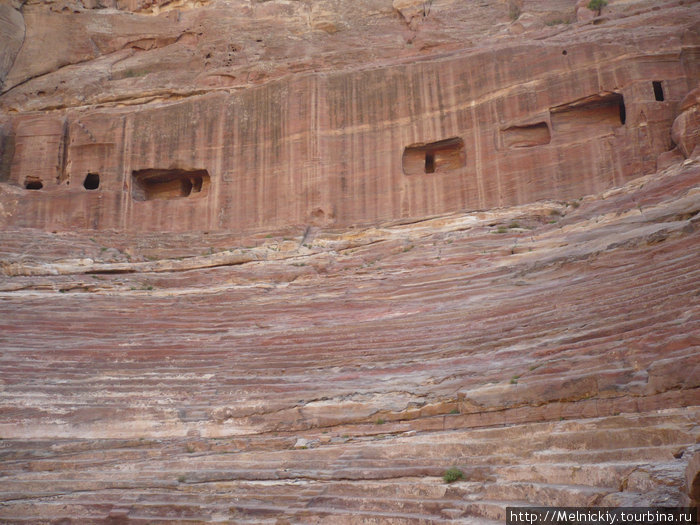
273 99
288 262
686 128
550 351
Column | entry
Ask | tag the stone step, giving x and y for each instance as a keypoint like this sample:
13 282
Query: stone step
493 510
607 475
633 455
546 494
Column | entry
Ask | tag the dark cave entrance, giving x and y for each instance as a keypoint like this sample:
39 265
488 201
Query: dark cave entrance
92 181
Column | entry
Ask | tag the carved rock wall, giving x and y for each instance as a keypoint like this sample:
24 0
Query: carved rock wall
192 330
329 148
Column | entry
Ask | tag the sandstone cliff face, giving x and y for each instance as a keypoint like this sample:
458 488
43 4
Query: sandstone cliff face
289 261
11 38
686 128
352 143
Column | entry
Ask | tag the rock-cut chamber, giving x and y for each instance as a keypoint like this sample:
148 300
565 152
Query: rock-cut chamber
154 184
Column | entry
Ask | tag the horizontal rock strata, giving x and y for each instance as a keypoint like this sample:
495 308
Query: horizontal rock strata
548 351
293 262
553 118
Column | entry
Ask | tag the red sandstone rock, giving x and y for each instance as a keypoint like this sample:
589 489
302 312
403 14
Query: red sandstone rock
242 277
331 139
668 158
686 127
11 37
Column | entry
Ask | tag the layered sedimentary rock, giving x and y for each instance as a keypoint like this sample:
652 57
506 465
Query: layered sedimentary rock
352 146
549 351
288 262
686 128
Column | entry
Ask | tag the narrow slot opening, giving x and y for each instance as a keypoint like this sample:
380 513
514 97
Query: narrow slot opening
658 90
623 111
430 162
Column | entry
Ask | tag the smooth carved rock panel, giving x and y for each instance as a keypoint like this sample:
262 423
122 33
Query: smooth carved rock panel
329 148
39 150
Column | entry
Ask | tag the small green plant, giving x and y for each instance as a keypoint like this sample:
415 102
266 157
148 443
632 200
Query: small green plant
454 411
181 479
408 248
514 225
452 474
502 229
380 421
190 448
597 5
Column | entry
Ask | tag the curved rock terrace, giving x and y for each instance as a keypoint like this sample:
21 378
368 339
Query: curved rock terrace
291 261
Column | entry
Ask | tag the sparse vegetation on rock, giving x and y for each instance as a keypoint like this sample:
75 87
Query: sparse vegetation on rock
452 474
597 5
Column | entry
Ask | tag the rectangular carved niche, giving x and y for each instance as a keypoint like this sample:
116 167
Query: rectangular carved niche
602 112
152 184
526 136
434 157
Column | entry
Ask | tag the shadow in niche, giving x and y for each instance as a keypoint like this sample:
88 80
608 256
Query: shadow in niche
658 90
92 181
165 184
32 183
